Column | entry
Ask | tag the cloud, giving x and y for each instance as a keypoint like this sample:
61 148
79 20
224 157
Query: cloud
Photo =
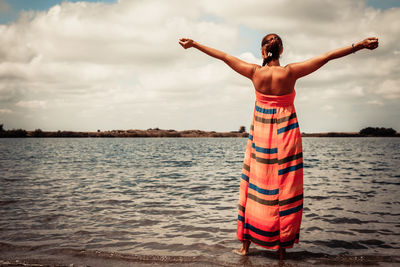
250 58
390 89
127 32
375 102
356 91
120 65
327 108
5 111
339 92
32 104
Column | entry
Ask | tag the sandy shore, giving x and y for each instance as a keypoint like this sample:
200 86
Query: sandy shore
123 133
156 132
257 257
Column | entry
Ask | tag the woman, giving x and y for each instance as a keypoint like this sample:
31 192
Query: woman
271 188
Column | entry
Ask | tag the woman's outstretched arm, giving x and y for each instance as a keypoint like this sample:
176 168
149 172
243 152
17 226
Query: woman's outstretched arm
240 66
304 68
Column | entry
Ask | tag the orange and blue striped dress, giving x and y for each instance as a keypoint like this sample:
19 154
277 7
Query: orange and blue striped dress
271 189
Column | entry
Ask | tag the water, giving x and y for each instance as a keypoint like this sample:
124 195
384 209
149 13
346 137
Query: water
170 201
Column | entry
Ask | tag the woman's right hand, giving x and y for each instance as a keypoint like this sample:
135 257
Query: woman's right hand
186 42
369 43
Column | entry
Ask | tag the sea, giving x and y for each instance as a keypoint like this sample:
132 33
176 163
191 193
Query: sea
173 202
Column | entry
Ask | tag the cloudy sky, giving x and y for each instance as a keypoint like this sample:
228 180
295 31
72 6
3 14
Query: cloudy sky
88 65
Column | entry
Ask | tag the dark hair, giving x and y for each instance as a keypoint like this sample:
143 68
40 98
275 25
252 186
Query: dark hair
272 47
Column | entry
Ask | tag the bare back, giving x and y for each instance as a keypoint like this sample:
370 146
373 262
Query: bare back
274 80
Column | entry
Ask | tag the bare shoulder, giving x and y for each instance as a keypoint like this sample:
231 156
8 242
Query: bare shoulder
268 68
280 70
289 68
256 67
265 71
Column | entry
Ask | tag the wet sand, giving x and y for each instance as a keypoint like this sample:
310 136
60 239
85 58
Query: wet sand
10 255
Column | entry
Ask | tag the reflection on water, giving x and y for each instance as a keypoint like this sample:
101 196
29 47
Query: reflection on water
178 197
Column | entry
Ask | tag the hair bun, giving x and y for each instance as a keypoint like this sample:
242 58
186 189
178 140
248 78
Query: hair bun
272 47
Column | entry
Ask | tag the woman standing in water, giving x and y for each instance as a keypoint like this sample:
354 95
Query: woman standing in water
271 188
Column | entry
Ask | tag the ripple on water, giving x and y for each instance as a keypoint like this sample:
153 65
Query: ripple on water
179 196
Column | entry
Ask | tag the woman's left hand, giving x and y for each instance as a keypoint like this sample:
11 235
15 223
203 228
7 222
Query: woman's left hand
370 43
186 43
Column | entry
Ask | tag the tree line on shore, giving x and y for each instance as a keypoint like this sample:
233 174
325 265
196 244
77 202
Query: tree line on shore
151 132
156 132
365 132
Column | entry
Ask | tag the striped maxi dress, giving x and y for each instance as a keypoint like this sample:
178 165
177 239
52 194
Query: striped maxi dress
271 189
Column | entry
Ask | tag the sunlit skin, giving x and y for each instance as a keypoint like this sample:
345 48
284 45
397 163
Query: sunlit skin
273 79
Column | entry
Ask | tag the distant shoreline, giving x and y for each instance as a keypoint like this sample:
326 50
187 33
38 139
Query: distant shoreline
160 133
343 134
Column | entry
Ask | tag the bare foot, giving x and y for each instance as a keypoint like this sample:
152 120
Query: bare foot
240 252
244 250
